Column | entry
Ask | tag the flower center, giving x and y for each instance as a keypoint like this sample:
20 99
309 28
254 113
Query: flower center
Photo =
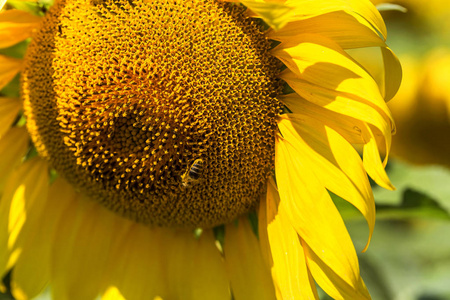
163 111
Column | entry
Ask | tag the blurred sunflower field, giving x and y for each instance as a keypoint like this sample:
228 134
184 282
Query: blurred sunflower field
409 253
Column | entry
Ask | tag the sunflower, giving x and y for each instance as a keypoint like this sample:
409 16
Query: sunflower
187 149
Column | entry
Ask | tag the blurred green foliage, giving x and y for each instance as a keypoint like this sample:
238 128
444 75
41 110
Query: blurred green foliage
409 255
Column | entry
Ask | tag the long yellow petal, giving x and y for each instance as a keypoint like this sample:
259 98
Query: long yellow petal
2 3
364 8
335 162
196 268
347 30
275 14
13 146
15 26
353 130
322 62
9 67
9 107
333 285
343 103
249 276
315 218
372 161
288 263
138 261
21 204
32 271
82 242
347 126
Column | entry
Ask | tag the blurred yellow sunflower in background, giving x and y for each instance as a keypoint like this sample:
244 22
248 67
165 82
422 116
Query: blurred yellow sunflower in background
421 38
149 132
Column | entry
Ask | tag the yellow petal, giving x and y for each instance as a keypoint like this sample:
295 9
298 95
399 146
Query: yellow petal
372 162
15 26
13 146
343 103
250 278
196 269
392 72
323 63
9 67
331 282
364 8
288 263
2 3
314 216
20 206
275 14
82 242
9 108
112 293
345 125
32 271
348 31
335 162
138 261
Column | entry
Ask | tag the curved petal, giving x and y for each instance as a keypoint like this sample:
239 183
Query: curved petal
249 276
9 108
322 62
13 146
9 67
372 162
138 252
392 72
15 26
344 104
20 207
32 271
347 30
314 216
196 269
80 250
347 126
287 259
275 14
330 281
335 162
363 8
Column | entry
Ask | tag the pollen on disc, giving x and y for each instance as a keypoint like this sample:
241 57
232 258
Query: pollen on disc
122 97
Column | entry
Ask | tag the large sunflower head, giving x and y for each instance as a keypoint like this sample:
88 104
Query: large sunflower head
149 132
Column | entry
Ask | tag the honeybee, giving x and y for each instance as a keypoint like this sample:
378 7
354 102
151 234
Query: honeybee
193 173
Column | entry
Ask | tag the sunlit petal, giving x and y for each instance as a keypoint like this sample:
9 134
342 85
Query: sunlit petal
21 204
9 107
315 218
32 270
249 276
15 26
290 273
9 67
335 162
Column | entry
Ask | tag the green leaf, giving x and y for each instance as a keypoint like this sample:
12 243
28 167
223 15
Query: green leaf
414 205
431 181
